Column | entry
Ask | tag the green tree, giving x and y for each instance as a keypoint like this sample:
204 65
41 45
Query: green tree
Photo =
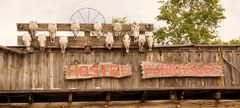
189 21
234 42
119 20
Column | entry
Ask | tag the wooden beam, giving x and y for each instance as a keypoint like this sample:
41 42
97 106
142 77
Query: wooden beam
83 27
131 104
12 50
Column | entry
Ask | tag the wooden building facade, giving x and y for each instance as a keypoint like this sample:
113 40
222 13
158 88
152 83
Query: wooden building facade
30 79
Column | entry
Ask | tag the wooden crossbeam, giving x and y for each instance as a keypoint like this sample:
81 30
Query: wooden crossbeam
84 27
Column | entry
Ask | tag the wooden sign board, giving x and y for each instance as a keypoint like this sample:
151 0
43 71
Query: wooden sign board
87 71
159 69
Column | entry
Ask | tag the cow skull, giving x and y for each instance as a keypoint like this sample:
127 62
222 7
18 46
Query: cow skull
52 29
126 42
135 31
75 27
109 40
33 27
117 27
97 29
141 41
27 41
42 41
150 40
63 43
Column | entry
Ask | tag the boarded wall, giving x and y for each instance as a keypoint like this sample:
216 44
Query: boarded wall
45 69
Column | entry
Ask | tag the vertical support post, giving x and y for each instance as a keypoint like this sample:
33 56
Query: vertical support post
30 99
51 65
144 96
70 98
8 100
108 98
182 95
218 95
173 95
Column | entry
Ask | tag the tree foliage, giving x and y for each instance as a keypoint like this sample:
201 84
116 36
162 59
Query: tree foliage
119 20
234 42
189 21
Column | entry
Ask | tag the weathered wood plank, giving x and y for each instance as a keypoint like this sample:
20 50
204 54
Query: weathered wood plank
39 65
133 104
83 27
1 68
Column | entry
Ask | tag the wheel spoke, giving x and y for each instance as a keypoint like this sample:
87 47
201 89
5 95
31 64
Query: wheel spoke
81 16
95 18
88 15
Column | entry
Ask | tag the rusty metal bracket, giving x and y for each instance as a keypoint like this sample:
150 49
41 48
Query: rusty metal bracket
87 49
148 27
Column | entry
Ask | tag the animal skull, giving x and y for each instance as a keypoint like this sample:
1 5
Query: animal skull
52 28
75 27
117 28
27 41
109 40
97 29
150 40
126 42
63 43
135 30
42 41
141 41
33 27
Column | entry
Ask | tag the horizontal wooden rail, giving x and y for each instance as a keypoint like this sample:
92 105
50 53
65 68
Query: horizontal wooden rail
83 27
12 50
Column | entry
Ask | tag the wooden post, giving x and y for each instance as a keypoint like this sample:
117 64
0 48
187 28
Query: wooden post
70 98
144 96
173 95
108 97
182 95
30 99
12 50
51 81
218 95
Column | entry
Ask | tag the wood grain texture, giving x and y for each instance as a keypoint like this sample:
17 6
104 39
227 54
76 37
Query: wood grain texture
83 27
133 104
44 70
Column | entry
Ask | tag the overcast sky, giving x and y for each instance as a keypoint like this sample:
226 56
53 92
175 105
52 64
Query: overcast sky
44 11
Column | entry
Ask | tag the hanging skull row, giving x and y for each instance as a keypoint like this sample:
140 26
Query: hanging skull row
141 39
63 41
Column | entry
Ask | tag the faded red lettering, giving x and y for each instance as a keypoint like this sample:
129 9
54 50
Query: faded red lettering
95 71
81 69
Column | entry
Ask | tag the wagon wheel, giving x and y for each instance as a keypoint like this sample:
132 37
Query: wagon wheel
87 15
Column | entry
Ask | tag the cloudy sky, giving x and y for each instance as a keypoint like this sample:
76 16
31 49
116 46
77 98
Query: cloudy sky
44 11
